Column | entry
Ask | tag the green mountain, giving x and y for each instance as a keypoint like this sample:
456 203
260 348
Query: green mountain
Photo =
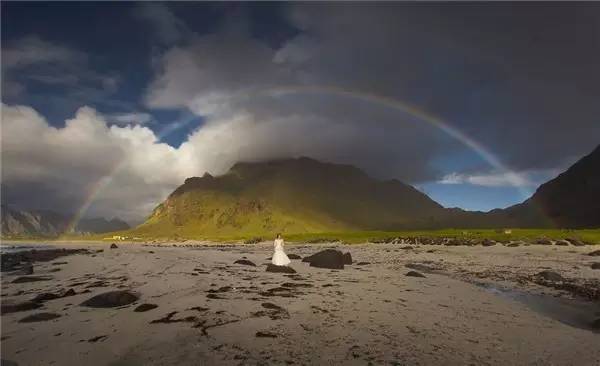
304 195
292 196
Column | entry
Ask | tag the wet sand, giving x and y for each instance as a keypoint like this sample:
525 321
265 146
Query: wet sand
476 305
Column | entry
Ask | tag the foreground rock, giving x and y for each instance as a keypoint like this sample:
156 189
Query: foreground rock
39 317
7 308
46 296
245 262
145 307
23 260
26 279
576 242
262 334
111 299
488 243
414 274
328 258
551 276
279 269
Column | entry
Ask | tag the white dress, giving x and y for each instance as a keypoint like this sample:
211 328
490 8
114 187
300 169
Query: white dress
279 258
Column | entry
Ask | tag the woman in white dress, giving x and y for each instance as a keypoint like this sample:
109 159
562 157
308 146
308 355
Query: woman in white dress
279 258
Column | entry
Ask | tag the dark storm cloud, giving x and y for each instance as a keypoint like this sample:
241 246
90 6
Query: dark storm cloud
520 78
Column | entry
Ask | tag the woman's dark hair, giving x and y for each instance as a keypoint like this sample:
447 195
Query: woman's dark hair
278 235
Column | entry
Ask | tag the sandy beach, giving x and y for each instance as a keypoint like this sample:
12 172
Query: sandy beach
475 305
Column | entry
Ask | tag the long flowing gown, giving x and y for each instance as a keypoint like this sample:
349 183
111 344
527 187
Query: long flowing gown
279 258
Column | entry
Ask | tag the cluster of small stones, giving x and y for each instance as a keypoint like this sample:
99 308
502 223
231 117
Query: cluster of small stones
472 242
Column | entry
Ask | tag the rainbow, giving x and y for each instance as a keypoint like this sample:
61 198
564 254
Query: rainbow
96 188
380 100
413 111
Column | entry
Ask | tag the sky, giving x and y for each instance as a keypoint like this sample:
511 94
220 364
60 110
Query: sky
108 106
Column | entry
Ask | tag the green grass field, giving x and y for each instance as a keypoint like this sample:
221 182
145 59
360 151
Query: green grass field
587 235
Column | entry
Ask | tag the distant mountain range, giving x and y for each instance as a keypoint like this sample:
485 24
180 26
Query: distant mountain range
305 195
51 224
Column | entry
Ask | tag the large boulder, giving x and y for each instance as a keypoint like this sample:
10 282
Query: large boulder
328 258
279 269
111 299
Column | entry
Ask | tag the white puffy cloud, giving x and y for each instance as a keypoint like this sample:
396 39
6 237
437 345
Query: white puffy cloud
125 171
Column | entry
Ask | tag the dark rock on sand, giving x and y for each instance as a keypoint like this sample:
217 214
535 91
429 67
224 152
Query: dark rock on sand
26 279
7 308
245 262
271 306
253 241
420 267
328 258
543 241
39 317
414 274
347 257
97 339
169 319
595 265
488 243
551 276
261 334
563 243
362 263
279 269
111 299
220 289
145 307
576 242
46 296
293 256
595 253
512 245
113 246
27 269
18 260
